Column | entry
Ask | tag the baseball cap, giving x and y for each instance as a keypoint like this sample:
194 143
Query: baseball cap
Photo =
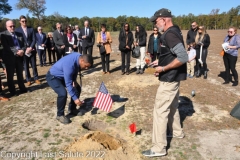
161 13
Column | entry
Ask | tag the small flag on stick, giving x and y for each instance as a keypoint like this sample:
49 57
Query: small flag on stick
133 128
103 99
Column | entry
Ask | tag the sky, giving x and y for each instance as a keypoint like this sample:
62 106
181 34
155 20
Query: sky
115 8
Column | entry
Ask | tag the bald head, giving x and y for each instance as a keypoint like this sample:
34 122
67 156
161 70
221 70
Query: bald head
10 26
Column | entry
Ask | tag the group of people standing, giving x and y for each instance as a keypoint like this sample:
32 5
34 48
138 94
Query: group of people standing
20 46
198 41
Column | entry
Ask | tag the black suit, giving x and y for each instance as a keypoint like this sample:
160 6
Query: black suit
88 42
51 50
58 40
12 60
30 41
67 44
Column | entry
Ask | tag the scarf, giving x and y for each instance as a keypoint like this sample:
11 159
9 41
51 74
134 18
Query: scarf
70 37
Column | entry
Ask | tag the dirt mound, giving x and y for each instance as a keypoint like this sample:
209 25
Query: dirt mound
100 145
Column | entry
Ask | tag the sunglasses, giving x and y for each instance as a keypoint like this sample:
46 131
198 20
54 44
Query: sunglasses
12 26
230 31
154 30
193 25
23 21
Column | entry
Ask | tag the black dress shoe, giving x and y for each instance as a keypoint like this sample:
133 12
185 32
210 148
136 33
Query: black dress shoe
127 73
24 91
235 83
123 73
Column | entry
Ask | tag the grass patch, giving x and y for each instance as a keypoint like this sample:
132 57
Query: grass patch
46 135
57 143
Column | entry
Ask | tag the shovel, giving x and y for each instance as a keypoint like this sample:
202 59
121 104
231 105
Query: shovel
200 59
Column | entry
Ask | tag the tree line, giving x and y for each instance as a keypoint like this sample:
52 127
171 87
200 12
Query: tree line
213 20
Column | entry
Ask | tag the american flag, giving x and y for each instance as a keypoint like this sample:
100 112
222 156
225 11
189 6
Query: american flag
103 99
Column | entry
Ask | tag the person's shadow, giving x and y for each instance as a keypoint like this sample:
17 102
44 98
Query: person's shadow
185 109
222 74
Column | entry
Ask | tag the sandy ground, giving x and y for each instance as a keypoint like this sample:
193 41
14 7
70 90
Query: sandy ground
29 128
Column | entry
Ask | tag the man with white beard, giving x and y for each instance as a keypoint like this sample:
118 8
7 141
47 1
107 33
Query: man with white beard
171 69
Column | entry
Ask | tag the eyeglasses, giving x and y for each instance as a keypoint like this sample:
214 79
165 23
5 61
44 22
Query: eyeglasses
193 25
12 26
230 31
154 30
23 21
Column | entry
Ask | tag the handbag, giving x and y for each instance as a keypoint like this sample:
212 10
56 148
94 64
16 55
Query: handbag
102 49
222 53
136 52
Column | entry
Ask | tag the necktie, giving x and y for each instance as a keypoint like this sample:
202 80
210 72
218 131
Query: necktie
15 41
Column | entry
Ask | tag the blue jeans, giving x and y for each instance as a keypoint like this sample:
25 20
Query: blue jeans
58 86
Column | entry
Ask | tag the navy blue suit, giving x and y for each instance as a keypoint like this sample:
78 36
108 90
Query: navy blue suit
30 41
41 39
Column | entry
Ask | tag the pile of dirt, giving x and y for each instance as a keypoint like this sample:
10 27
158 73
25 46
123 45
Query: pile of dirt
100 145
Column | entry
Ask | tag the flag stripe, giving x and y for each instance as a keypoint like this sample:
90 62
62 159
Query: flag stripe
103 99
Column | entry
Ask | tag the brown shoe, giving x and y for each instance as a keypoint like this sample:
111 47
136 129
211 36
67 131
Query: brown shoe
38 82
108 73
28 83
103 72
3 99
123 73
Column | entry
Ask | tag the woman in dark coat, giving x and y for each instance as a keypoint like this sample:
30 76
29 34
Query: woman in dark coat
153 44
125 46
51 48
70 40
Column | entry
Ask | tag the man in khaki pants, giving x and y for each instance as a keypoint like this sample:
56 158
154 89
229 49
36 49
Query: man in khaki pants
171 69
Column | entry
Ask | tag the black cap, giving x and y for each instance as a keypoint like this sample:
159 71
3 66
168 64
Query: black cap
161 13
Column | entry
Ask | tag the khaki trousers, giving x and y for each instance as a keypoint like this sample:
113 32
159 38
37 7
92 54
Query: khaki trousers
165 114
190 67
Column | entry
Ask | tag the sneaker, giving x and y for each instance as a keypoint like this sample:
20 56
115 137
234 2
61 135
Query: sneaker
77 112
63 119
190 76
149 153
141 71
173 136
138 71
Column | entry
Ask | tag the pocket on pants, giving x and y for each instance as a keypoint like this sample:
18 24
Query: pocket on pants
162 101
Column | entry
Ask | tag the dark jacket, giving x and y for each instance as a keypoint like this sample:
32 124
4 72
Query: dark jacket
50 43
39 40
67 44
30 40
9 51
151 43
205 41
141 36
191 36
122 40
89 40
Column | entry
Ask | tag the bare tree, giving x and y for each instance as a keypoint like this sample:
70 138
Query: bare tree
214 13
36 7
